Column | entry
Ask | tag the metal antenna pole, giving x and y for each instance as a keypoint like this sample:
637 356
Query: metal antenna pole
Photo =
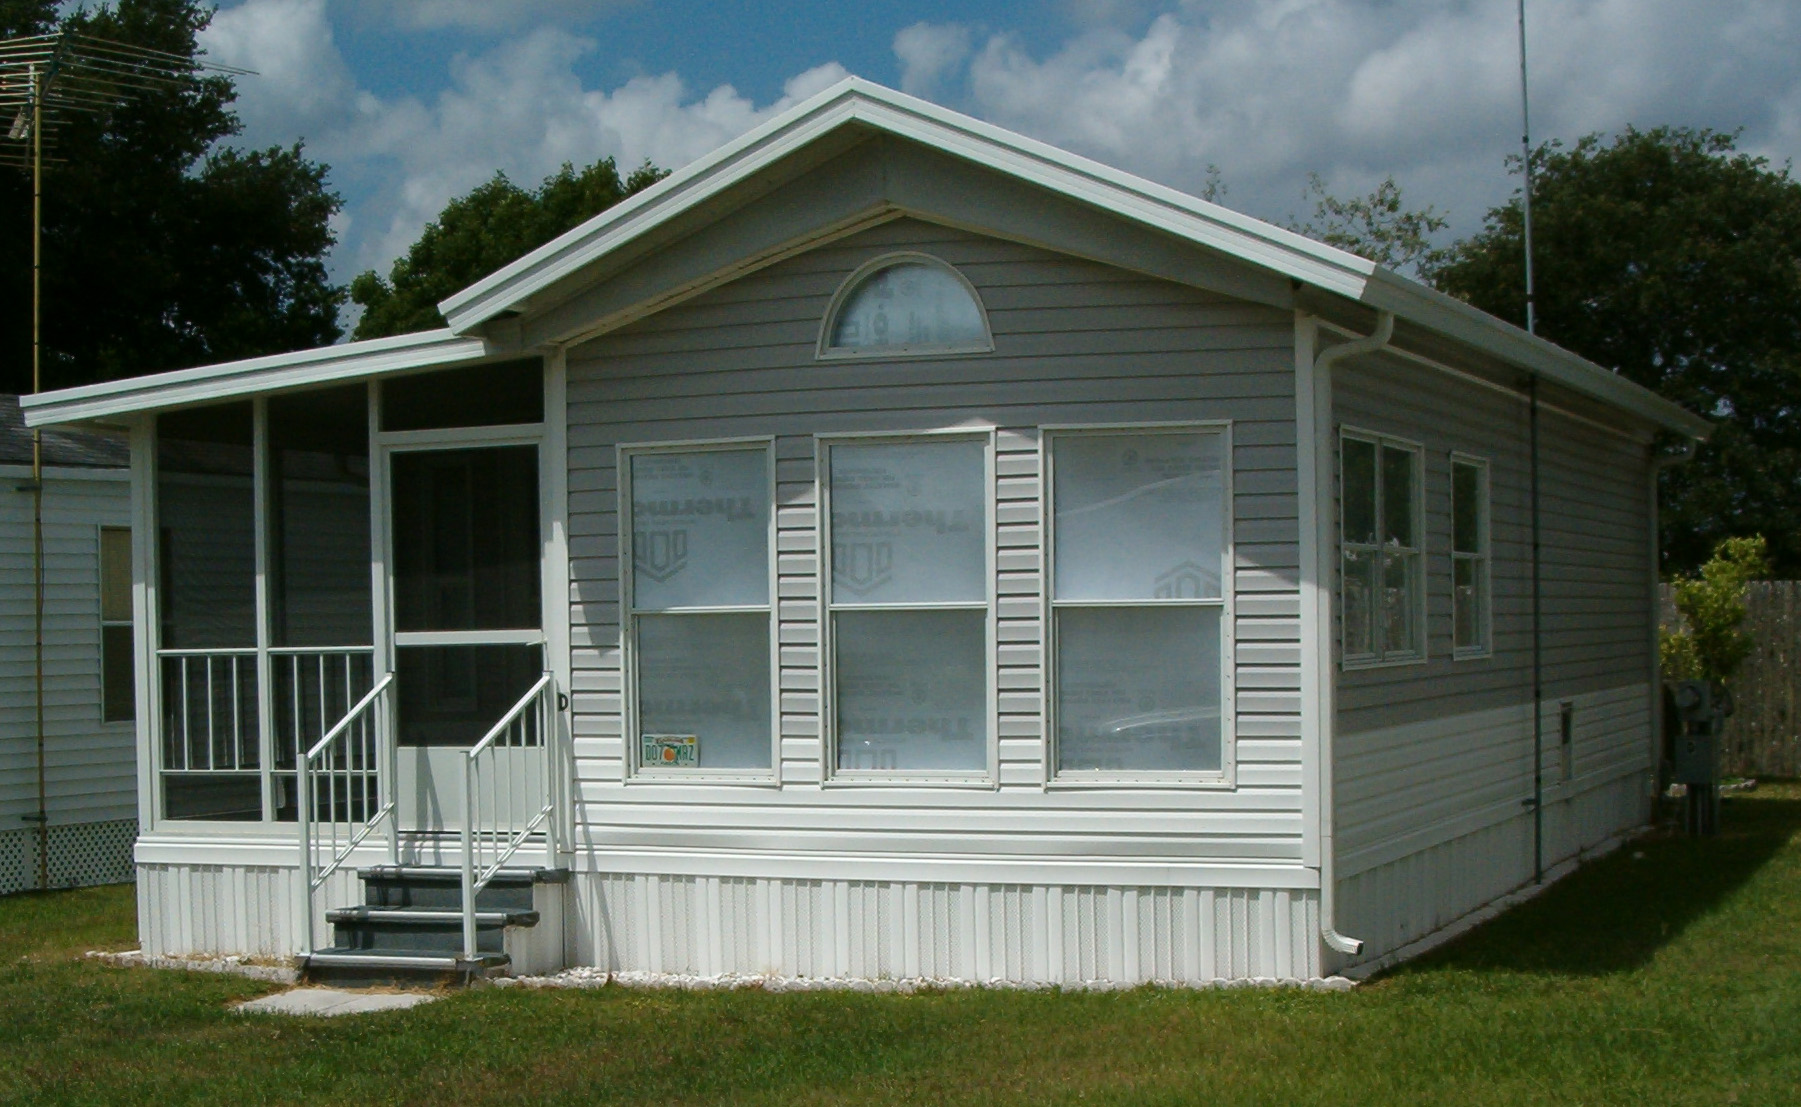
40 78
1526 162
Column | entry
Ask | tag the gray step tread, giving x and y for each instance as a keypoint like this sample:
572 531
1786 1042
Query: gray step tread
429 915
437 873
390 959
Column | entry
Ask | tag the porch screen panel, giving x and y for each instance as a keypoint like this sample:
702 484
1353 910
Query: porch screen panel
909 606
699 609
466 542
319 552
1139 556
206 596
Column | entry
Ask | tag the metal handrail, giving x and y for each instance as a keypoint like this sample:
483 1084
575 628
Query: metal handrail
496 839
376 766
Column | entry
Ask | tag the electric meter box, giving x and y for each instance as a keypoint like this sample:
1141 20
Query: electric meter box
1696 752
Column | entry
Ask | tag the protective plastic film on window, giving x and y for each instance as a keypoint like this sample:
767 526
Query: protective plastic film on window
700 529
703 691
1138 689
908 305
912 691
1139 517
908 522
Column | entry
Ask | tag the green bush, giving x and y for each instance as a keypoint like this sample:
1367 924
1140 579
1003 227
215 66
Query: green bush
1710 644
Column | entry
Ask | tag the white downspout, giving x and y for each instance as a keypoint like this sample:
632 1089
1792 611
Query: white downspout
1660 462
1321 628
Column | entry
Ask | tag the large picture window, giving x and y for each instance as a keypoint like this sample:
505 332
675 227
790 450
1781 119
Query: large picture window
698 609
1139 550
908 605
1382 602
1470 588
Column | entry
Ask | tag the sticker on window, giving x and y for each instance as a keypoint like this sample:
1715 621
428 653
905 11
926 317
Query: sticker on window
671 750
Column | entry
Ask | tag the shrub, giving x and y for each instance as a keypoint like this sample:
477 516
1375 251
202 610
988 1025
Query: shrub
1710 645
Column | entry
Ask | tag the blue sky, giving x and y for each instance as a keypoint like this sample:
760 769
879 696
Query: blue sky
413 102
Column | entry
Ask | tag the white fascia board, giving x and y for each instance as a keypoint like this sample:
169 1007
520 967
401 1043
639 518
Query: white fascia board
882 109
231 379
1451 317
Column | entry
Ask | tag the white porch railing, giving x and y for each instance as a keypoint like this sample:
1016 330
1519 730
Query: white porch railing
346 790
500 791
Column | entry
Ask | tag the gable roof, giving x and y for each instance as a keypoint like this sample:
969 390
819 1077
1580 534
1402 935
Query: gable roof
543 277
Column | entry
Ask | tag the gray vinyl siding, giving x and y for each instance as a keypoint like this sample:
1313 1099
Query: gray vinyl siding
1075 343
1433 761
90 766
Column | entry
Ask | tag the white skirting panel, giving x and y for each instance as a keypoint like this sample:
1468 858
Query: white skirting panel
241 910
711 926
1391 905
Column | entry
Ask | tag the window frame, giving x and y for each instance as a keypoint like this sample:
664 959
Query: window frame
105 624
1379 658
831 775
1484 558
1226 776
637 773
825 351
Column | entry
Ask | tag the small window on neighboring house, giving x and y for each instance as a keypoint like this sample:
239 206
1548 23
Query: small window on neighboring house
118 694
1382 573
1470 617
904 304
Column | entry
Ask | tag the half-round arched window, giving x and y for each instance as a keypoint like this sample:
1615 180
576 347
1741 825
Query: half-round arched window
905 304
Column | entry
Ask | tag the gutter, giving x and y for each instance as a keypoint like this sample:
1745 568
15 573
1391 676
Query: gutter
1328 884
1659 462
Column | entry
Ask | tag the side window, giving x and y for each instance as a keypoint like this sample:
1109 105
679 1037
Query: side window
1382 598
1139 559
697 609
907 606
1470 587
118 684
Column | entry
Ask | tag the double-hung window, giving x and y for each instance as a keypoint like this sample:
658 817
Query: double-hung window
1140 551
1382 572
698 609
908 606
1470 617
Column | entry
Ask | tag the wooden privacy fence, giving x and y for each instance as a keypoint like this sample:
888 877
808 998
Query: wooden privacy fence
1763 736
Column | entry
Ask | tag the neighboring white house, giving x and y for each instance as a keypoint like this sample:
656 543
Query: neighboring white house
1034 573
89 794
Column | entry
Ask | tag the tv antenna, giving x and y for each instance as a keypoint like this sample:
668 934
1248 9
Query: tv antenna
46 82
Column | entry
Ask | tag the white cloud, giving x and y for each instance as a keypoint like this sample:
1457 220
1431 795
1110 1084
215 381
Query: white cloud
1357 89
519 107
485 15
929 53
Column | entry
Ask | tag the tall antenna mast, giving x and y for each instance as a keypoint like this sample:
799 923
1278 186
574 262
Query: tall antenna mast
45 81
1526 163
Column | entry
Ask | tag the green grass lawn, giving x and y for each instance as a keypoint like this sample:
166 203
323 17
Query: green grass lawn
1669 972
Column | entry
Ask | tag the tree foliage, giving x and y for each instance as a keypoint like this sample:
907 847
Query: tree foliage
1379 226
1711 644
163 247
480 232
1675 259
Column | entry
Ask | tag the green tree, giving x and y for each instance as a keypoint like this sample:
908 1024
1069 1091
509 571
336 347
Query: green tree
1379 226
1674 259
1710 645
163 247
478 233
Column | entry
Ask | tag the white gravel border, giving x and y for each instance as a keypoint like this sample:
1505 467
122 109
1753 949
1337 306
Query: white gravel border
256 970
601 978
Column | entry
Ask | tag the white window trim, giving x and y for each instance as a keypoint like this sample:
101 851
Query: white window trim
831 775
1079 779
103 622
637 773
1380 660
825 351
1485 536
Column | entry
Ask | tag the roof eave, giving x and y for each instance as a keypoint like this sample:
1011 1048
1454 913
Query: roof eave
233 379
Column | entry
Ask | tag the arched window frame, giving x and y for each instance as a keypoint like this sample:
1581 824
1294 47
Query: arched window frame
827 352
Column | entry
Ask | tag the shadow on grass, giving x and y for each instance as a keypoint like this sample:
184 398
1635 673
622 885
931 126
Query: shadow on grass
1615 914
